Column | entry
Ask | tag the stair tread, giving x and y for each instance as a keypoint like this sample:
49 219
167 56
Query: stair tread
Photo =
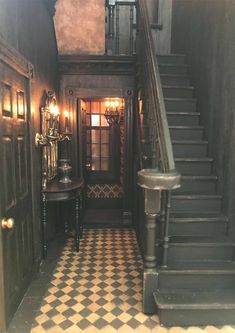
178 87
211 177
198 266
191 142
194 218
175 75
177 99
181 299
193 159
172 64
205 240
186 127
197 196
192 114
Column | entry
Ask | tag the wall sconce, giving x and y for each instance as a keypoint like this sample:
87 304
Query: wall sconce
112 111
50 123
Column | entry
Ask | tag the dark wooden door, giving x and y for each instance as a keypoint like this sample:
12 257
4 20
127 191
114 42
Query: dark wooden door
16 243
99 146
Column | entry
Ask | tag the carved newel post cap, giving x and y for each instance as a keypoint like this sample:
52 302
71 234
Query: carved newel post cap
153 179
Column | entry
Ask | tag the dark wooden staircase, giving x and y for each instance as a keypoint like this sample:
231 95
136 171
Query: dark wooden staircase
198 285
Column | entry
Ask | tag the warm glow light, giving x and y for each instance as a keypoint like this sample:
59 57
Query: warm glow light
112 104
117 104
54 110
66 114
107 104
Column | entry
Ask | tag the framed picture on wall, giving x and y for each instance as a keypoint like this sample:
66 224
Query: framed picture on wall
7 101
20 105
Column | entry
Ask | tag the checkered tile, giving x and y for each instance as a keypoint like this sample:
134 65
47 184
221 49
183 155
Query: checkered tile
98 288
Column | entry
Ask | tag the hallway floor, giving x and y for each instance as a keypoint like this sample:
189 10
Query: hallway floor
98 289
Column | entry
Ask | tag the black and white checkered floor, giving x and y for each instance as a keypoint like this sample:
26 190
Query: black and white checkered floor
98 289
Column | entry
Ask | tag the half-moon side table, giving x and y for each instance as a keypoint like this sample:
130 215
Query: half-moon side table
61 192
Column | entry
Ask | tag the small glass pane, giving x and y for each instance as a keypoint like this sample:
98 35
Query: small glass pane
88 120
104 150
88 136
95 150
95 107
103 107
95 120
104 121
95 136
88 150
104 136
104 164
20 105
88 107
7 101
95 164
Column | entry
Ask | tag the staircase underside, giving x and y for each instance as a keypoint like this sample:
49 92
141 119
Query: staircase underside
198 286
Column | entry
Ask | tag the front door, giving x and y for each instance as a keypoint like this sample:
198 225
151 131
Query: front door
102 155
16 245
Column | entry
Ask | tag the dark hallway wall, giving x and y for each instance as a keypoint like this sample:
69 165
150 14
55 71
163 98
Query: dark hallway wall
204 30
27 26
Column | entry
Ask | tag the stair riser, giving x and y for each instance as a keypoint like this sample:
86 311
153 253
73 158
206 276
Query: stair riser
196 317
175 80
180 105
198 228
176 70
178 92
189 150
200 281
199 252
182 120
197 187
196 205
194 168
186 134
173 59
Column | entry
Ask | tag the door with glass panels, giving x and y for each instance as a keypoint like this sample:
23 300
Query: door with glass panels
102 143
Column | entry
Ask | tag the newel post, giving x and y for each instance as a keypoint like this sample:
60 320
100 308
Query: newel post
153 182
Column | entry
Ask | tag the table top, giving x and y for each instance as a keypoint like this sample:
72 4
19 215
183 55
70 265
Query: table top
55 186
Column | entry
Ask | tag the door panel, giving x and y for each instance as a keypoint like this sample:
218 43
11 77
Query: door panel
15 191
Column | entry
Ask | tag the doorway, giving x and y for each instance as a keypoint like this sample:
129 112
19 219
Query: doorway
101 152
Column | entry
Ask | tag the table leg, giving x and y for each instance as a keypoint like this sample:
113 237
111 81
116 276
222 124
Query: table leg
44 226
81 217
77 237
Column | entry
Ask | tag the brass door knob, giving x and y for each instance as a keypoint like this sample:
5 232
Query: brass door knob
8 223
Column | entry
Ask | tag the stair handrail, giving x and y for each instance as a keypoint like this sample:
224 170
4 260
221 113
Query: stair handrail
160 176
159 112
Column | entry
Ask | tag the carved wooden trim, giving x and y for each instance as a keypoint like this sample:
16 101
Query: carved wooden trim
11 57
97 65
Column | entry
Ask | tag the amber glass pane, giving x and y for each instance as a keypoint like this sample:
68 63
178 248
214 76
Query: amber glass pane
104 136
103 107
104 150
95 164
95 107
104 121
88 149
88 120
88 107
88 136
95 120
95 150
104 164
95 136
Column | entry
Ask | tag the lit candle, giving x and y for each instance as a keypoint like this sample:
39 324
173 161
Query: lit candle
66 118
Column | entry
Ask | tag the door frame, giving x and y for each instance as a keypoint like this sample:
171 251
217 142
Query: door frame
71 95
12 58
